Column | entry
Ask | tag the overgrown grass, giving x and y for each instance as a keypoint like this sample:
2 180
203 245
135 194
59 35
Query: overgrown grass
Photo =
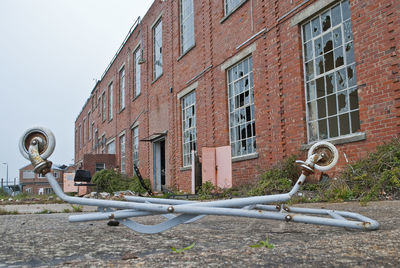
374 177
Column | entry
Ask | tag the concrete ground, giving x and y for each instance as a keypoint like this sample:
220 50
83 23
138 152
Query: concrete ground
49 240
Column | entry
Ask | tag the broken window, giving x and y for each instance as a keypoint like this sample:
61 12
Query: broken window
110 101
157 50
241 108
122 152
188 127
330 74
136 72
122 89
135 146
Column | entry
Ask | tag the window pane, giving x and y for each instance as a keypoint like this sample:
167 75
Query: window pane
333 127
355 121
323 129
326 20
344 124
307 32
316 26
336 15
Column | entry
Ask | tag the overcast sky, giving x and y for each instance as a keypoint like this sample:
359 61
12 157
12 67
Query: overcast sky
51 52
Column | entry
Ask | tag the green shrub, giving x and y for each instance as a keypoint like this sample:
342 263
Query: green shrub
111 181
279 179
371 178
136 187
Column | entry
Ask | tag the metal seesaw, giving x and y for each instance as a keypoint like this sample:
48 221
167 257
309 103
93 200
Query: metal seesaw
38 143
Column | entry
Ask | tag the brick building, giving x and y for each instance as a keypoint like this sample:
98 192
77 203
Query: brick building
266 78
33 183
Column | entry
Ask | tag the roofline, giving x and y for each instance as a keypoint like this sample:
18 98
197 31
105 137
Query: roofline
131 30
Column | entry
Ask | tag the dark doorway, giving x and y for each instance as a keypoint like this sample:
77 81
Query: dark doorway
159 165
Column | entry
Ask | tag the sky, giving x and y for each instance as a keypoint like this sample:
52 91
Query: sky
51 53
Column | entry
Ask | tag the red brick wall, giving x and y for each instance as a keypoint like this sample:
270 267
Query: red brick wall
38 182
278 84
90 161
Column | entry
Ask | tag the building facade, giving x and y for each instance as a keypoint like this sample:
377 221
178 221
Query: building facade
267 78
34 183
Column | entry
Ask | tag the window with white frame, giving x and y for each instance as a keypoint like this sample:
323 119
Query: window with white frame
100 166
231 5
28 174
84 130
122 89
48 191
103 106
55 174
89 128
187 25
111 148
157 50
136 72
188 127
110 101
28 190
242 130
135 146
93 133
80 136
330 74
122 152
103 143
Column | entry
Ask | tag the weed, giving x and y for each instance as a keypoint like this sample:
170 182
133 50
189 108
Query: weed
45 211
263 244
77 208
180 250
6 212
66 210
206 190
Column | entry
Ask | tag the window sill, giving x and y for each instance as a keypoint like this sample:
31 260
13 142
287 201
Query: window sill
120 111
186 52
156 79
359 136
109 120
244 157
137 96
185 168
232 11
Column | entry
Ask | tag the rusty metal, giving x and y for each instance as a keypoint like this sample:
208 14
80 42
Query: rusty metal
288 218
171 209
